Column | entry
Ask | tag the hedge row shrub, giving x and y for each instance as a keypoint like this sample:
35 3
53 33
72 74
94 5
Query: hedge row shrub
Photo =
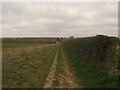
98 48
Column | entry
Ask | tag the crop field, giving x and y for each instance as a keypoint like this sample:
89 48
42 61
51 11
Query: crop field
14 45
26 67
61 65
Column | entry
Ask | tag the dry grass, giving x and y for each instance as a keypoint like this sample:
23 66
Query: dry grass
27 67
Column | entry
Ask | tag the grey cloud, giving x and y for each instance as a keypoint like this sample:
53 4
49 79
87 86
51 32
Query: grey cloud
59 19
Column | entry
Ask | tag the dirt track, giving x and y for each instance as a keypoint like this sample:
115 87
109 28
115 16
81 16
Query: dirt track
65 78
51 76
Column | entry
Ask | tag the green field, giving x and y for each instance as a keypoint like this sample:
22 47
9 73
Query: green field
26 67
13 45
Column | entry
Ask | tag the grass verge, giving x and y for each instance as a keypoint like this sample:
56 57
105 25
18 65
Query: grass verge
89 74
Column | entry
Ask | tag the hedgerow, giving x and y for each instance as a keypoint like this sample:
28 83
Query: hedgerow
98 48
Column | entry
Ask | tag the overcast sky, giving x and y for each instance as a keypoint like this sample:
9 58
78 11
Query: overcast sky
59 19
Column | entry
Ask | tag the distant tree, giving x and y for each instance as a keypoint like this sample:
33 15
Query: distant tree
60 39
71 37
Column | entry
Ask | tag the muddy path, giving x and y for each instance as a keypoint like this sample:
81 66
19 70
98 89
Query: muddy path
60 75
